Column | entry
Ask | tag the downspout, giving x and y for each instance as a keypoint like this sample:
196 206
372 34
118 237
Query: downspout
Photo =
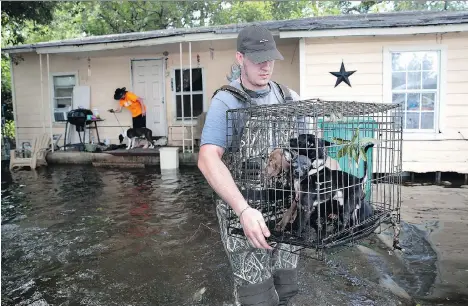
42 94
50 95
191 94
13 101
181 97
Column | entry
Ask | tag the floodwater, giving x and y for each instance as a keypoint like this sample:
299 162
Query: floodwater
79 235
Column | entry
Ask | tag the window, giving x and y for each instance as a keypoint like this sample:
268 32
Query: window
195 90
63 90
415 84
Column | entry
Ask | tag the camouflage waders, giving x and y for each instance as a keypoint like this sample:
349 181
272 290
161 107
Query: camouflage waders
261 277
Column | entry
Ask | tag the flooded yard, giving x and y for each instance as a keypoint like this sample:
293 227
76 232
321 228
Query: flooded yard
79 235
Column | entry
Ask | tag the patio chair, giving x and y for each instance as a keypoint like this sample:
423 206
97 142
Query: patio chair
39 151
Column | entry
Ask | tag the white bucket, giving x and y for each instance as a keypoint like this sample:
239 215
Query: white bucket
169 158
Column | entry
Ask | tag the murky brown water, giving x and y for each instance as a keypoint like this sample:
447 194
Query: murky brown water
88 236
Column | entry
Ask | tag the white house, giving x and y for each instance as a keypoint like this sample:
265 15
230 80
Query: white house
417 58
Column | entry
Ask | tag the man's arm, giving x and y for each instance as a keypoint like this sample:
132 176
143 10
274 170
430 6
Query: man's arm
219 178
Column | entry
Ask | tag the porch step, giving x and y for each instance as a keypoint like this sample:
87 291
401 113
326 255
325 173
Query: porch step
118 165
134 152
110 160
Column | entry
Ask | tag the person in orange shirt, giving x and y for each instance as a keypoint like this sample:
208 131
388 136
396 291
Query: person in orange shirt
134 104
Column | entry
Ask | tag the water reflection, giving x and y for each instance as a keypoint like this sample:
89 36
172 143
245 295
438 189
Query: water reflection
90 236
85 235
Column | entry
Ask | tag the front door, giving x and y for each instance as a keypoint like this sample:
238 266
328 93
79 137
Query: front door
147 77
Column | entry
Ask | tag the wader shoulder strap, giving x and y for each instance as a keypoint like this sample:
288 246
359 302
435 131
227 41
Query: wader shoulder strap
285 93
245 98
237 93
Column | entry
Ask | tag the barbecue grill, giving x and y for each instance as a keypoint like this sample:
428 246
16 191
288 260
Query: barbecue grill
77 117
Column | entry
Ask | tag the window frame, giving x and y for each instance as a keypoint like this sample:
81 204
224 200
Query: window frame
175 120
52 88
439 105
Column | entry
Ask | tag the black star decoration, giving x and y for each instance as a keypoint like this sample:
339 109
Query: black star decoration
343 75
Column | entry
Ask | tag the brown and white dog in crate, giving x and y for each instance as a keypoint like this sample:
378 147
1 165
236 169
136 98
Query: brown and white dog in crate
279 166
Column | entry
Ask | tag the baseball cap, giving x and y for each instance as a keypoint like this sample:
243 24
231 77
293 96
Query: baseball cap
257 44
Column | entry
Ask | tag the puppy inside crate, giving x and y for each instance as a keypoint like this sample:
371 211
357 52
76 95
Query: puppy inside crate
302 190
326 200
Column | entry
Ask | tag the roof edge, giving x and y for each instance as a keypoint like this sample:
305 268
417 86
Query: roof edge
382 31
307 27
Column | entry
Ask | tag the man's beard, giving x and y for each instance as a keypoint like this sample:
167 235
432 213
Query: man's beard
250 80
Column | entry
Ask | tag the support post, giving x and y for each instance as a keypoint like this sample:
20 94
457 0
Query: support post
181 97
50 98
191 95
438 177
42 94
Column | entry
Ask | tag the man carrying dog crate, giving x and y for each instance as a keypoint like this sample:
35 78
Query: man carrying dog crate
262 275
134 104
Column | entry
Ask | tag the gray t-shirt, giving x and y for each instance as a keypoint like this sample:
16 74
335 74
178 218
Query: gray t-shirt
215 128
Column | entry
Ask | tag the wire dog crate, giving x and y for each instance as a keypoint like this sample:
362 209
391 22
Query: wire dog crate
322 173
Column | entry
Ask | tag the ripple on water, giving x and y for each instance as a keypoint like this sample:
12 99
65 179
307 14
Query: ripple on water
94 236
420 259
89 236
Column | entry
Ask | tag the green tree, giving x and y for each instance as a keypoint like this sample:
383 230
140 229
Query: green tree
240 11
76 19
6 90
15 15
362 7
135 16
430 5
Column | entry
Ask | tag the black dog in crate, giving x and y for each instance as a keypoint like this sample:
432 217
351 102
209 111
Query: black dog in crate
305 144
324 199
324 186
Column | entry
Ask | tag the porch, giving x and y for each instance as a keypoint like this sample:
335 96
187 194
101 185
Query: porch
120 158
175 78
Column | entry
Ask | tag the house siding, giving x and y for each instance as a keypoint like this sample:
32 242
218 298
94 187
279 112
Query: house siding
444 151
112 69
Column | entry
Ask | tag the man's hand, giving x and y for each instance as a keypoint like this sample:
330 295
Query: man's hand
220 179
255 228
